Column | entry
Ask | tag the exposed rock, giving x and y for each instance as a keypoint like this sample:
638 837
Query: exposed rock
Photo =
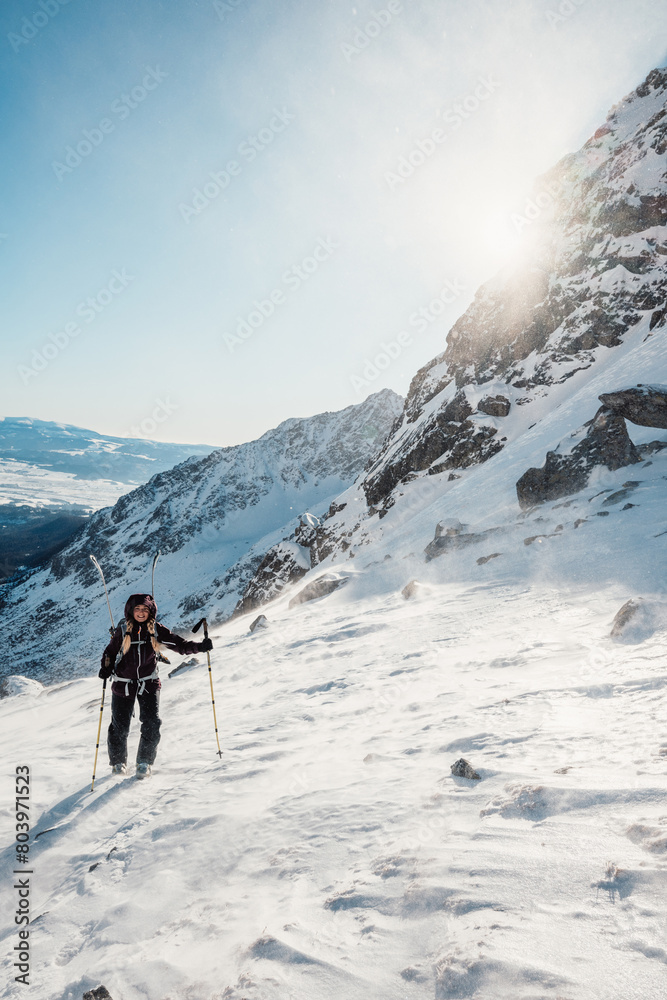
645 405
99 993
538 323
624 615
410 590
285 563
260 622
495 406
485 559
536 538
449 527
566 470
321 587
464 769
185 665
453 538
448 440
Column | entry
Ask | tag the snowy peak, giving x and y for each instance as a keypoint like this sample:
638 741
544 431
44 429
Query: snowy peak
593 270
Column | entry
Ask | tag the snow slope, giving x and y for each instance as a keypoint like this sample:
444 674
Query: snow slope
330 853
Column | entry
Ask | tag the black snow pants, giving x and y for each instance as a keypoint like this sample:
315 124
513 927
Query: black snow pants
121 717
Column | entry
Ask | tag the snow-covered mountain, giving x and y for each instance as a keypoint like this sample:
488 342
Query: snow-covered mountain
47 464
212 518
582 313
53 476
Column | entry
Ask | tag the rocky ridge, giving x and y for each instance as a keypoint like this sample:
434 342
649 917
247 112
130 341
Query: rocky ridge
596 265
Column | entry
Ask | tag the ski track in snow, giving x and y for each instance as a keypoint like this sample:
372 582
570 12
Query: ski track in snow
330 853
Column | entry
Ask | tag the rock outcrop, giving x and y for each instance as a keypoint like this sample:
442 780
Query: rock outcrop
321 587
645 405
283 564
603 440
596 267
454 536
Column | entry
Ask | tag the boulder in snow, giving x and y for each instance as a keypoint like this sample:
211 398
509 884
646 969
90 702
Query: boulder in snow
601 441
260 622
638 620
623 616
494 406
448 538
410 590
462 768
99 993
321 587
645 405
486 559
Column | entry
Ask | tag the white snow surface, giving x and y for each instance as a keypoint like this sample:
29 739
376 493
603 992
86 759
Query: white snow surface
330 853
22 483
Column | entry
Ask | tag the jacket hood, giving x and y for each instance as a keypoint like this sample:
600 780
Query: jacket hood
136 599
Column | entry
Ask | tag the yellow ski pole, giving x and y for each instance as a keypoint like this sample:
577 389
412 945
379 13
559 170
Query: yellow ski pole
210 677
99 730
104 686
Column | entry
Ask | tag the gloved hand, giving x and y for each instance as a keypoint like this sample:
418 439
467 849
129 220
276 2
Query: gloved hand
106 669
205 645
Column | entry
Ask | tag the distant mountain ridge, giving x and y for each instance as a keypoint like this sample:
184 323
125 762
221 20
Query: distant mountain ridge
54 475
85 454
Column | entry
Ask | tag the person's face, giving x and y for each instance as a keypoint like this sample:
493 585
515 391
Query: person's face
141 613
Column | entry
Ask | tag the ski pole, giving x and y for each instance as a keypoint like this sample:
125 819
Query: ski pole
104 686
99 730
210 677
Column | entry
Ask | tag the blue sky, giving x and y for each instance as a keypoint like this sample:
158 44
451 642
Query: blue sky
129 300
